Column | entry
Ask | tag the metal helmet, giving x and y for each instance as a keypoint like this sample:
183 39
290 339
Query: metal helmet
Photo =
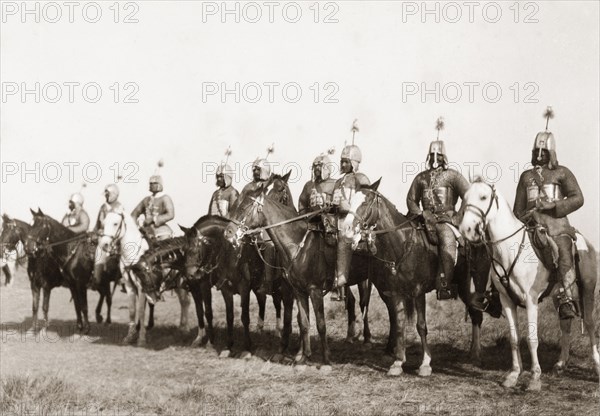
77 199
326 166
158 180
113 192
265 169
437 147
353 153
545 140
227 173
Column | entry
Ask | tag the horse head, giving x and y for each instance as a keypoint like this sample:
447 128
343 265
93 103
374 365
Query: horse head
114 228
39 232
11 233
247 213
480 205
362 215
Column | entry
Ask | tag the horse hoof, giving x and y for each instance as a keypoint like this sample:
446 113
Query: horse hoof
558 369
196 343
277 358
325 369
141 343
225 354
424 371
349 340
367 345
246 355
99 318
534 385
300 368
278 333
510 380
395 370
85 330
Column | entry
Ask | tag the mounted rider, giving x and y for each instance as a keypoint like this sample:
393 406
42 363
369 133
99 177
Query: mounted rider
111 204
318 192
157 209
225 196
76 219
343 191
437 190
546 194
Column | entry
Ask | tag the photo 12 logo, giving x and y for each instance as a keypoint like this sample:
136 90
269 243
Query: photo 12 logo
469 11
471 91
69 91
269 11
71 172
269 91
69 12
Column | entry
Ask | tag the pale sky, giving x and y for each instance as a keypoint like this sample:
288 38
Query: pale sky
372 57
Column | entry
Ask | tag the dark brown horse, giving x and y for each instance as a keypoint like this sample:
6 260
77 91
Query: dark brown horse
411 265
211 260
60 258
13 232
308 260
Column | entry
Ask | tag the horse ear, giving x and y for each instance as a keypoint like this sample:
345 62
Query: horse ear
33 212
287 176
375 185
182 228
40 212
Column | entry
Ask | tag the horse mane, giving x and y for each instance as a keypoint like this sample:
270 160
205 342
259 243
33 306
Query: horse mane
54 223
397 216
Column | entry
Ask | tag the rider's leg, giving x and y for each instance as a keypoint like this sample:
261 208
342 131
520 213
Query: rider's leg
447 252
567 289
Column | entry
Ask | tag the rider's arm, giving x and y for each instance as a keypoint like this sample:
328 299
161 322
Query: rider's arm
84 223
520 205
304 199
168 214
101 215
212 198
413 198
138 210
573 196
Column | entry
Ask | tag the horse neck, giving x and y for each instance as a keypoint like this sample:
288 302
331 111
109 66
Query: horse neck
58 231
22 226
132 238
390 218
287 235
504 223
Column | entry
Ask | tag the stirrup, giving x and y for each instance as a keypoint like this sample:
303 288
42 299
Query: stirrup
338 294
446 292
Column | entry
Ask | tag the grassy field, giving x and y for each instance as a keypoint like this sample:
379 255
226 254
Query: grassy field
61 372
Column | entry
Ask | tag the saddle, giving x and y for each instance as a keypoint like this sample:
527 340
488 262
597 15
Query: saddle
325 224
544 246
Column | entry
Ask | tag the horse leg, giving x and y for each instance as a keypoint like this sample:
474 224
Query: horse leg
288 310
316 297
131 297
150 317
75 297
510 311
304 323
277 298
350 303
141 306
184 302
82 289
400 347
98 311
421 306
208 314
393 317
262 302
195 290
476 320
365 288
587 293
46 306
229 315
535 383
35 304
108 298
245 303
565 346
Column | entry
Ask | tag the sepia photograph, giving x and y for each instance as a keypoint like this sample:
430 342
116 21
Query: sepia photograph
303 208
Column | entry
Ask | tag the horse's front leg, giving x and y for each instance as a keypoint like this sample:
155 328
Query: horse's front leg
535 383
316 297
245 304
82 289
421 306
131 298
184 302
510 311
400 345
277 300
98 310
229 316
364 289
208 314
46 306
141 303
351 313
288 310
195 290
108 297
304 324
262 303
35 304
476 320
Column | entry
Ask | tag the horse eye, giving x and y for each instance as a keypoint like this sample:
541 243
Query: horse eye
483 198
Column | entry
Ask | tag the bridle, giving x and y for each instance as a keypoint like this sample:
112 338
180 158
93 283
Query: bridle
11 226
119 233
482 215
39 240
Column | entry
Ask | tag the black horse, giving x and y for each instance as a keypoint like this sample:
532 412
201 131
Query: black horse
58 257
13 232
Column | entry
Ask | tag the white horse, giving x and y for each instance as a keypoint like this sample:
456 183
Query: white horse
486 210
119 227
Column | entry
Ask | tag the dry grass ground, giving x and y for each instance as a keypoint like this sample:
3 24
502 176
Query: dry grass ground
60 372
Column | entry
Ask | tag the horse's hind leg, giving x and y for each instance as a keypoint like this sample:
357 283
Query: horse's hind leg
425 368
304 324
588 293
245 303
132 297
565 346
184 302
